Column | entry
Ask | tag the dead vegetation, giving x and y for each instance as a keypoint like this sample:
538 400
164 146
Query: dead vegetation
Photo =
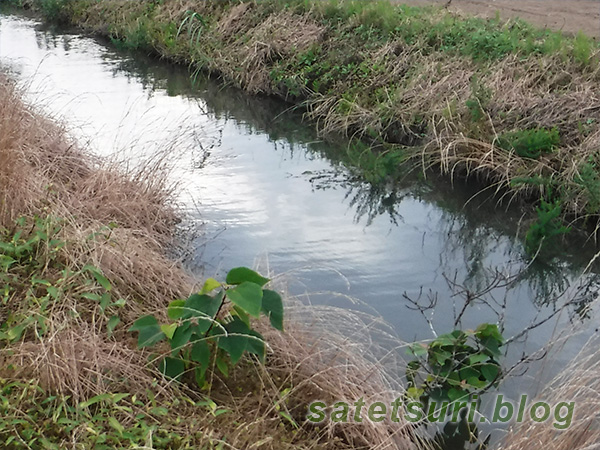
581 385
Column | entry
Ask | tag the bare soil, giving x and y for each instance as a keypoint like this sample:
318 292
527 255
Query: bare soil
569 16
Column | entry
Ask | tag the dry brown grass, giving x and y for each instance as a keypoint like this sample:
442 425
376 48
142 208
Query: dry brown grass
44 173
579 384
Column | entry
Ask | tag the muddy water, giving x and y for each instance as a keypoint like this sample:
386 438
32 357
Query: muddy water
261 186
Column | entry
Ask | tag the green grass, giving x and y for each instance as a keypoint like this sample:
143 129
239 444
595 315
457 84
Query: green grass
530 143
31 418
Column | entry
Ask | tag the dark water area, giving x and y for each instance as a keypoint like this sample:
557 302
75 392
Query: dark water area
261 187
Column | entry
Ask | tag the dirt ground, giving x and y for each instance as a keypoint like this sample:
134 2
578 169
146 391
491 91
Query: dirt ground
566 15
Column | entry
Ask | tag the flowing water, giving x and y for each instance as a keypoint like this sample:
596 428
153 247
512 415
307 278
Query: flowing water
261 186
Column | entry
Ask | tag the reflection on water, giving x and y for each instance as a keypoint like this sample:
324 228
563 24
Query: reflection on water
264 184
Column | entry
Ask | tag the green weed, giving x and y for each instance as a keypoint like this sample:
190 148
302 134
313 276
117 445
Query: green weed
206 329
31 418
530 143
455 365
35 278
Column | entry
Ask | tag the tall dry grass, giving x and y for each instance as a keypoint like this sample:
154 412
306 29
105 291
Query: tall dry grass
578 383
122 222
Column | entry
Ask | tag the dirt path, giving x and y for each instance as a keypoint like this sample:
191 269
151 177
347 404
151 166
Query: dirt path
567 15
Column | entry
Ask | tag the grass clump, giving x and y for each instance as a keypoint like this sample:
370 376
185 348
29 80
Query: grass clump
530 143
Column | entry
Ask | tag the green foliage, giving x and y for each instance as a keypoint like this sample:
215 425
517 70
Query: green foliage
480 97
547 226
35 277
32 418
207 328
530 143
194 24
57 11
455 365
582 49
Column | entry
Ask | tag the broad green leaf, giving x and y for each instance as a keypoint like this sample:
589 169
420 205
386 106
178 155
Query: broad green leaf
222 366
414 393
203 306
181 336
100 278
491 345
201 354
175 309
456 394
490 372
209 285
169 329
489 330
247 296
256 344
468 372
172 367
112 323
272 307
243 315
418 349
477 383
478 358
236 341
149 331
242 274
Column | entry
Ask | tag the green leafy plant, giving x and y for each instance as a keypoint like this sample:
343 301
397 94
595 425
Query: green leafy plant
215 328
35 276
530 143
31 418
455 365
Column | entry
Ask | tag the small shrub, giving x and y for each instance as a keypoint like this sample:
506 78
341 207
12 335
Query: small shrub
455 365
582 49
57 11
530 143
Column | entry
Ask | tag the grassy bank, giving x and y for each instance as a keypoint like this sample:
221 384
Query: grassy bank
82 257
513 105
